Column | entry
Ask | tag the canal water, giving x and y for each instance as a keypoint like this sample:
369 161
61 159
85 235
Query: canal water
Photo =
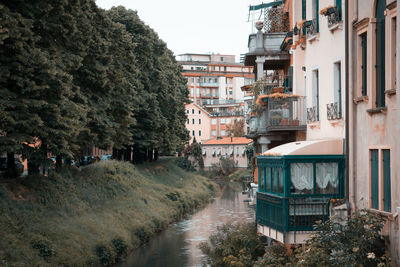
177 246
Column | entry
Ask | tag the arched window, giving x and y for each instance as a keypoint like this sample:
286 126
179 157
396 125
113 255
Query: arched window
380 53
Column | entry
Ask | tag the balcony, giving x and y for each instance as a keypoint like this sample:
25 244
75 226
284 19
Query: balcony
228 114
334 16
311 29
209 84
312 114
296 183
333 111
219 102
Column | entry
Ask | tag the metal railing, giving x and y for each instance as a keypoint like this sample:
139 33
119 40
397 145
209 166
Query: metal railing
312 114
289 111
275 20
221 101
311 28
333 111
227 114
333 16
291 214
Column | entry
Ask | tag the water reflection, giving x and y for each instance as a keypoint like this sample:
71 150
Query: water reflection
178 245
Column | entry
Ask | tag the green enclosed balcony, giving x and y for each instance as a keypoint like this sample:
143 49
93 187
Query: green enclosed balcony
296 183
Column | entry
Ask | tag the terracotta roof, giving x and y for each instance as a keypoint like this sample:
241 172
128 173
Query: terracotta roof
228 141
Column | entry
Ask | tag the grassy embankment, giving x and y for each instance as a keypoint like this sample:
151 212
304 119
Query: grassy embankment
93 216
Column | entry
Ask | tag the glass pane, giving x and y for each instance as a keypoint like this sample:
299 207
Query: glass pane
327 177
268 179
301 176
275 180
261 180
280 180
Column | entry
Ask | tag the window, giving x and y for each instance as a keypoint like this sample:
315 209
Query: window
223 121
199 121
380 53
222 132
199 133
187 111
237 151
192 121
261 179
363 38
192 80
230 92
199 112
380 160
214 121
315 93
393 54
193 133
213 133
315 8
301 176
337 94
192 111
267 179
228 121
303 9
187 121
222 59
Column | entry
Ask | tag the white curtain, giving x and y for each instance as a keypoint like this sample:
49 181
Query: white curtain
327 172
301 175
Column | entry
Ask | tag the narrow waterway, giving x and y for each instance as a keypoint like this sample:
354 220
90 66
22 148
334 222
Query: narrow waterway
178 245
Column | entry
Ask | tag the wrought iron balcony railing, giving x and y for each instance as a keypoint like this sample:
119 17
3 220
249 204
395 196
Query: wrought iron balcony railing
333 16
333 111
312 114
311 28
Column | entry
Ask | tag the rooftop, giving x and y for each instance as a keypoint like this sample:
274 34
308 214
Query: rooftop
228 141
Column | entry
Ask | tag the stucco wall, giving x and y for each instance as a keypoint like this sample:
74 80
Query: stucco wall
204 127
240 158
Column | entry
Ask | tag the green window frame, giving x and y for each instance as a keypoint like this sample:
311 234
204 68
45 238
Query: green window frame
268 184
380 53
364 64
261 184
317 13
339 7
374 158
387 197
304 9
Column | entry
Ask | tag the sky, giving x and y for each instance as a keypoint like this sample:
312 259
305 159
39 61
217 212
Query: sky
202 26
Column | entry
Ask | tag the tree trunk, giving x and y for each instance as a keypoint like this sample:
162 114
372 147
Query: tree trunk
11 168
58 162
32 168
155 154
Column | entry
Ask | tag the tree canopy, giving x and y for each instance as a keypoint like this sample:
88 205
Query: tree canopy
75 76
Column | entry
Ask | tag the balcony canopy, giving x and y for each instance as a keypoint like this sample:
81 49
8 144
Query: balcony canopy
317 147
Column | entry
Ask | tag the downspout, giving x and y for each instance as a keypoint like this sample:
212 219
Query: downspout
347 154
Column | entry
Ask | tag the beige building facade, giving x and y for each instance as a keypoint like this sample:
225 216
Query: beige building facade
198 123
374 124
226 147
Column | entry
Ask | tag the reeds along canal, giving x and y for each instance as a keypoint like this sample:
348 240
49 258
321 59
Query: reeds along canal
178 245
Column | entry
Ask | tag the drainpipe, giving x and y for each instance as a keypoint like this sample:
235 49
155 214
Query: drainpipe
347 154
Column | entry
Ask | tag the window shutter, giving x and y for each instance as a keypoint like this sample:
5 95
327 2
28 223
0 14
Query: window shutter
374 179
386 181
339 7
317 13
364 64
303 9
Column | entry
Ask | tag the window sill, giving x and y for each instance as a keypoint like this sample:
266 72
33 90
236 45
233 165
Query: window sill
314 124
337 26
360 99
336 122
377 110
390 92
313 37
385 214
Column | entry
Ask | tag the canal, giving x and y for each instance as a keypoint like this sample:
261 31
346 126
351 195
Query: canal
178 245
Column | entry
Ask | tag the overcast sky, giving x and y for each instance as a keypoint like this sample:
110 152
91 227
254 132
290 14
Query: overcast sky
201 26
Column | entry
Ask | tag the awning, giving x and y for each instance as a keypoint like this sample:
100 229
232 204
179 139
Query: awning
266 5
316 147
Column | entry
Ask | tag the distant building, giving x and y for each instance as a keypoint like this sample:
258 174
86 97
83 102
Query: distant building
198 123
214 83
226 147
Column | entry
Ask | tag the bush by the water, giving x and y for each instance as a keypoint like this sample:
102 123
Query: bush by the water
339 242
93 216
233 245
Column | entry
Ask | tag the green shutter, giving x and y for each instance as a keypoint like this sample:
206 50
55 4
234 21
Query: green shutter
374 179
317 13
364 64
317 96
380 53
339 7
303 9
386 181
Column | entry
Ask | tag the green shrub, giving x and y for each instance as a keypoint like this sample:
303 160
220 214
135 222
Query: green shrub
104 255
44 248
233 245
185 164
143 234
120 247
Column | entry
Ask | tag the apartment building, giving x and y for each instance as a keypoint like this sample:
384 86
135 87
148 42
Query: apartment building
374 121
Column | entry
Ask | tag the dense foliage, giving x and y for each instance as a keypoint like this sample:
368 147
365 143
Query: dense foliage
75 76
234 246
349 241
